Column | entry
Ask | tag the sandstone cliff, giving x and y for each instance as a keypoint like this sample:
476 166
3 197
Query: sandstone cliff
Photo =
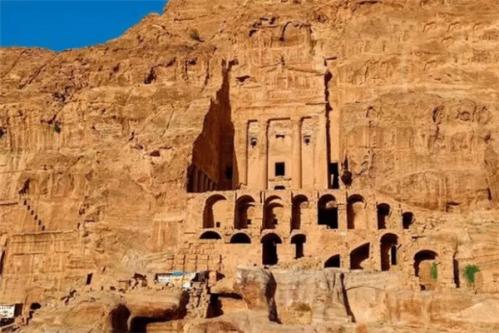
96 145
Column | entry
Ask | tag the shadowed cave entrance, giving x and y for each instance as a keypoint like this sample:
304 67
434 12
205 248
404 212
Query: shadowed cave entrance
299 242
269 249
123 320
328 211
388 250
334 261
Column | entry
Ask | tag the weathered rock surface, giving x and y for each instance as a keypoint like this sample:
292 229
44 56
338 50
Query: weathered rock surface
98 148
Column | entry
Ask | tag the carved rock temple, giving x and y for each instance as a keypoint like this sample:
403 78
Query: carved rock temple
256 166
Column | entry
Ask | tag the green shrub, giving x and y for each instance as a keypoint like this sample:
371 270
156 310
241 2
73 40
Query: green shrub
470 272
434 271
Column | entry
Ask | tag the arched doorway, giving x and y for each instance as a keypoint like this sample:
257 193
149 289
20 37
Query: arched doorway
273 212
383 212
245 212
356 215
425 268
328 211
358 256
269 249
388 250
299 241
215 211
300 203
210 235
334 261
240 238
407 220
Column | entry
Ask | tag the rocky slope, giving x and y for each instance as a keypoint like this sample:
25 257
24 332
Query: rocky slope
95 143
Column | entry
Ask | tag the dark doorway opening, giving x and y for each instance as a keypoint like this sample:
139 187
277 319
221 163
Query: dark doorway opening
383 211
119 319
334 261
245 206
407 220
298 206
388 249
328 211
334 176
299 241
269 249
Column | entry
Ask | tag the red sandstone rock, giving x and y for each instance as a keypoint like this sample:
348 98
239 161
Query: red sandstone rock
350 144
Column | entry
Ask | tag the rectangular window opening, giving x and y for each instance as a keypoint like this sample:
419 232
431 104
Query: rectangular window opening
280 169
334 176
89 278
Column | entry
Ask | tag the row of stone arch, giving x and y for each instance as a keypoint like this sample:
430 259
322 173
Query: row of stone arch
327 212
269 244
389 245
388 253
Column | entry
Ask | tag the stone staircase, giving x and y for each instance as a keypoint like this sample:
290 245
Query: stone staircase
25 202
199 301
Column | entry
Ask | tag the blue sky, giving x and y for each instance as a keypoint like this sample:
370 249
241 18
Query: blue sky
63 24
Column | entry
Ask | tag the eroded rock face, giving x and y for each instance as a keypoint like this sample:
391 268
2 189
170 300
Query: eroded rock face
224 133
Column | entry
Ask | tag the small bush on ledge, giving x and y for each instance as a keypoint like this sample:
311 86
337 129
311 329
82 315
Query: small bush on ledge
470 273
434 271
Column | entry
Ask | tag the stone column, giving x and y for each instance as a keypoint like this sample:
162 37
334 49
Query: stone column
263 140
296 158
199 179
240 162
194 175
321 162
342 217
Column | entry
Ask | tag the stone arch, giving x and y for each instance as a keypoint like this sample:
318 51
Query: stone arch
334 261
356 212
359 255
422 256
388 249
240 238
273 212
245 212
269 249
210 235
383 212
215 209
299 203
424 263
299 241
407 219
327 210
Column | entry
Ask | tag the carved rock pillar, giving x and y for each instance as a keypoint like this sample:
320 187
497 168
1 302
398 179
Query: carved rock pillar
296 167
194 175
240 164
263 139
321 149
